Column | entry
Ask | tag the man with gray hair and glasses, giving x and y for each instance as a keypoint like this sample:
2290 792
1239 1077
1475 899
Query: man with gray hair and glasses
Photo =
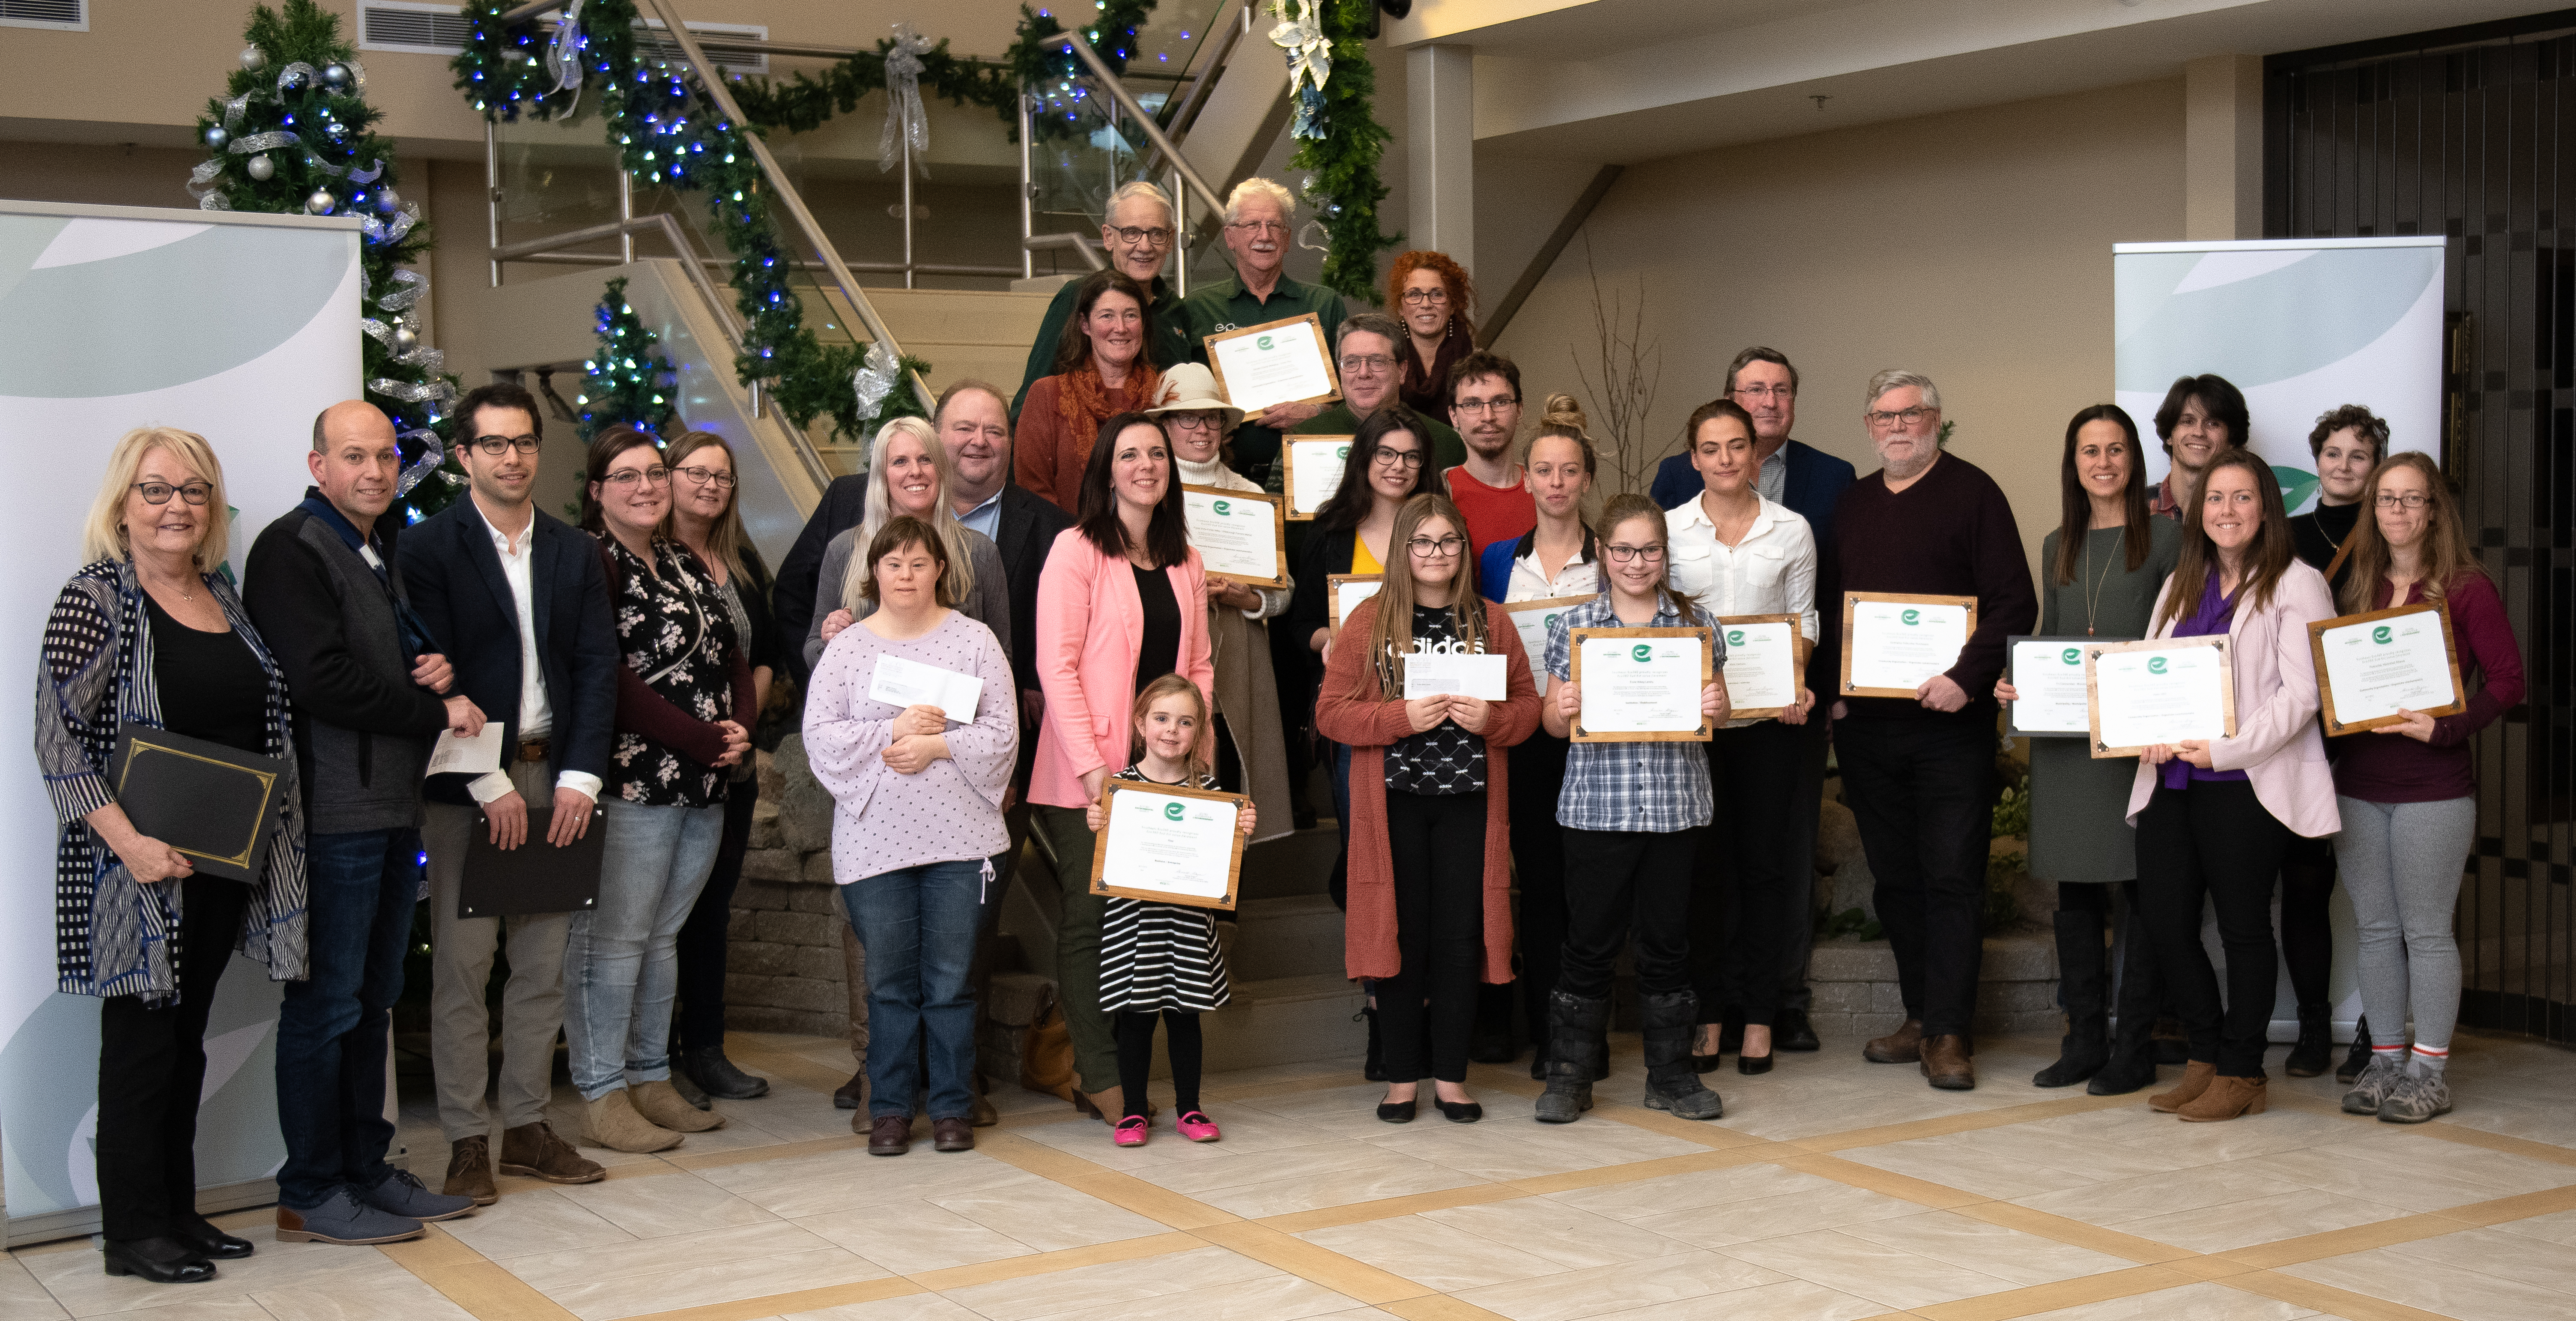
1370 374
1137 232
1918 771
1260 216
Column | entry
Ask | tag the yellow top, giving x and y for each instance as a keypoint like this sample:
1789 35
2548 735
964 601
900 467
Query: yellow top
1361 560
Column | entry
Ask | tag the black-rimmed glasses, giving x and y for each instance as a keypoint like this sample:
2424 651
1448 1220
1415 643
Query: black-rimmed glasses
492 447
159 493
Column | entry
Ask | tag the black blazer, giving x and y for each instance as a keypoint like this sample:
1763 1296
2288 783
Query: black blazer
844 506
1026 533
457 585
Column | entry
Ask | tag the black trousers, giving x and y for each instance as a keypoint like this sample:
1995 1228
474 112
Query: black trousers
1624 882
2213 839
1744 899
1921 791
2307 936
700 1024
1437 843
151 1068
1815 739
1538 865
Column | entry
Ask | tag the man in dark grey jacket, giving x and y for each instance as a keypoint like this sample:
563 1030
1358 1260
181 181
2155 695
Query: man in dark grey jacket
366 682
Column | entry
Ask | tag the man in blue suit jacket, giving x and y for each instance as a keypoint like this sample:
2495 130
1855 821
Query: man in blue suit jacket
507 588
1811 482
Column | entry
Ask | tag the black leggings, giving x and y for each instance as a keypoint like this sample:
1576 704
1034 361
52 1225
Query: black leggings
2307 937
1437 843
151 1067
1136 1057
1744 899
2213 839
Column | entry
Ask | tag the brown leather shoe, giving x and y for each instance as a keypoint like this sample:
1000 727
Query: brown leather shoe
662 1103
469 1171
536 1151
2196 1077
2226 1099
852 1094
952 1135
889 1135
1902 1046
1946 1063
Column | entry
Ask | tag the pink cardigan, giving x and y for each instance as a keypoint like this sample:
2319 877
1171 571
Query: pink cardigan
2277 743
1090 627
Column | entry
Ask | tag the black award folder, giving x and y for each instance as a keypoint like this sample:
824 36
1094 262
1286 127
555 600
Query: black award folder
535 877
217 805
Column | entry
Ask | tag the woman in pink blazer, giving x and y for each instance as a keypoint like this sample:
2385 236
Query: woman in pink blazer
1119 606
2215 816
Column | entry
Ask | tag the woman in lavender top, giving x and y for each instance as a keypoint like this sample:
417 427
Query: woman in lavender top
918 815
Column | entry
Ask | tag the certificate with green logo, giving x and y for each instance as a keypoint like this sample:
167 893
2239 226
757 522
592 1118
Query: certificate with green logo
1893 642
1168 844
2371 666
1237 534
1533 619
2048 672
1276 362
1311 471
1762 665
2161 690
1642 685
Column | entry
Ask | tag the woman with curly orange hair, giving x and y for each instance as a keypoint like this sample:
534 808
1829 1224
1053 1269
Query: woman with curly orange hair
1434 296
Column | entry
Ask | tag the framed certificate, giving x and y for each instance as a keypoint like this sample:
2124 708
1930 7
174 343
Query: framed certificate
535 877
2048 672
217 805
1238 535
1761 665
1311 470
2370 665
2161 690
1644 685
1168 844
1276 362
1893 642
1532 619
1342 591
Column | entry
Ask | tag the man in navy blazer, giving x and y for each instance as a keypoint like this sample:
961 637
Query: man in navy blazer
522 605
1811 482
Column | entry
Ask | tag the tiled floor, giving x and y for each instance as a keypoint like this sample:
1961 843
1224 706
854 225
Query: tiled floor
1832 1189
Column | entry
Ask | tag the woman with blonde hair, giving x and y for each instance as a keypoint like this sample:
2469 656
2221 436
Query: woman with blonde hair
150 635
909 474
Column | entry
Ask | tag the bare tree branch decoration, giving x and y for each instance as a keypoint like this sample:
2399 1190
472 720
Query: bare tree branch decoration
1621 385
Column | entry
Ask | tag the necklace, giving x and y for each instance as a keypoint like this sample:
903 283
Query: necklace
2095 599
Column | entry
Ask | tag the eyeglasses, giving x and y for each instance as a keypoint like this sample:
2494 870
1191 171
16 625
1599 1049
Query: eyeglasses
1195 421
653 476
1424 297
1623 554
1473 407
159 493
1909 416
1370 365
1766 391
2387 499
1398 459
702 476
1153 235
1259 226
1442 548
494 446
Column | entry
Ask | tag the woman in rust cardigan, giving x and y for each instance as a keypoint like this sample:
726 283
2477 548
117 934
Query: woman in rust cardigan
1430 839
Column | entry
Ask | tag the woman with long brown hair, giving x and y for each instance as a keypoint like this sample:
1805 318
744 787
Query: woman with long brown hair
1100 371
2407 792
1434 296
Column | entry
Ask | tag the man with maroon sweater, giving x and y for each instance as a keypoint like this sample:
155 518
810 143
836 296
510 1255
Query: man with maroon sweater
1919 772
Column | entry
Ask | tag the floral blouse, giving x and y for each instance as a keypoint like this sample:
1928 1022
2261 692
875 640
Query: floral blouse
675 633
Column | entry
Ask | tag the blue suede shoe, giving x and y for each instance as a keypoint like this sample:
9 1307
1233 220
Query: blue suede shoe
342 1218
403 1194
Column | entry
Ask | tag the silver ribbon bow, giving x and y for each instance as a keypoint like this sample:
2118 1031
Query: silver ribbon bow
1310 56
414 287
200 186
432 454
563 56
874 381
409 393
906 121
286 77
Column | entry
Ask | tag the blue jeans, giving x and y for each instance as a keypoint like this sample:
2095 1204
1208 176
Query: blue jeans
621 959
918 926
333 1030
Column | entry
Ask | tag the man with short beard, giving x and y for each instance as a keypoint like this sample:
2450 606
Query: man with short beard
1137 234
1919 771
1484 394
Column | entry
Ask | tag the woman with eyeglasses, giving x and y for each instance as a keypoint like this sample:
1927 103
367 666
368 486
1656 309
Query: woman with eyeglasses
1434 296
684 707
1632 814
150 635
1429 833
910 472
1735 554
2407 792
706 517
1100 373
1136 234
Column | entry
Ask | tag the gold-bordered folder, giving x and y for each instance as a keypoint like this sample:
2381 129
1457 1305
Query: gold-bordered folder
214 804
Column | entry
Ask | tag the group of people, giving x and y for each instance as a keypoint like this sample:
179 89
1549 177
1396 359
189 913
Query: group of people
1030 552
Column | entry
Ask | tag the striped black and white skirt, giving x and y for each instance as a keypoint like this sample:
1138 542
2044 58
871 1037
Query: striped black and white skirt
1156 956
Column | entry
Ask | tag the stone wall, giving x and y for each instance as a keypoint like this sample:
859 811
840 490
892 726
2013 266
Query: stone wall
783 968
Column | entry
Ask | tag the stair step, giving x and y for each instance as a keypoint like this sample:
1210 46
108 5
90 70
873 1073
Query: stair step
1287 1020
1289 936
1301 863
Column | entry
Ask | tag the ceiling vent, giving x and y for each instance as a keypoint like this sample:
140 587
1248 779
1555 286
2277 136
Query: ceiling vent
66 15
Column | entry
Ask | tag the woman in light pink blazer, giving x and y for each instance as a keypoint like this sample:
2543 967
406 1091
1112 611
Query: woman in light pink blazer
1120 604
2215 816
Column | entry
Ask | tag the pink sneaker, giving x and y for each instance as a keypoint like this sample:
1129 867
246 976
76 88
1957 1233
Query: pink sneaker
1131 1131
1197 1127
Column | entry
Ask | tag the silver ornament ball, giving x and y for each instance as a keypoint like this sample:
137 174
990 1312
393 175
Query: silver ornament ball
216 137
262 168
335 75
388 200
403 341
251 58
321 202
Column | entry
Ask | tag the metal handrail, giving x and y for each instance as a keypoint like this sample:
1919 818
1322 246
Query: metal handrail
1209 70
1144 122
1083 245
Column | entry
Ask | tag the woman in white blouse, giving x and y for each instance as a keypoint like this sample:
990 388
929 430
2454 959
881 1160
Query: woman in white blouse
1737 554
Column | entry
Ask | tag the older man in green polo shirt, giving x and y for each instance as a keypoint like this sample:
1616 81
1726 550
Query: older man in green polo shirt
1370 372
1138 235
1259 215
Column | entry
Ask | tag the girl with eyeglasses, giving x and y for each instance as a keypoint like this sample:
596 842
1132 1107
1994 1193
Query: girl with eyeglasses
1429 830
2407 792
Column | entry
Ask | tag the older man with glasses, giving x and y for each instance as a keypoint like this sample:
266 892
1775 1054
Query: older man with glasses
1370 371
1138 234
1260 215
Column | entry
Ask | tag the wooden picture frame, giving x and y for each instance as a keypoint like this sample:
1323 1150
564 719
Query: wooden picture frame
1513 610
1707 671
2325 688
1100 849
1288 444
1278 531
2094 651
2012 710
1798 648
1333 596
1852 602
1323 341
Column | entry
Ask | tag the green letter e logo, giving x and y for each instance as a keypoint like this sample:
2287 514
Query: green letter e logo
1912 617
1172 810
2071 656
1262 342
2155 664
1642 652
1735 637
1221 508
2381 634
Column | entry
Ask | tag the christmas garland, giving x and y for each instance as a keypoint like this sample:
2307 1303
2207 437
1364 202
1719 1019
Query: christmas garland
626 379
1338 136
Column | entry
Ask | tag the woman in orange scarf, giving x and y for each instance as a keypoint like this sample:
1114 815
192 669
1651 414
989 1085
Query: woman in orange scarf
1099 373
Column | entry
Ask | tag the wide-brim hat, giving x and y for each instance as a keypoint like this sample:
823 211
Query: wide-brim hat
1191 388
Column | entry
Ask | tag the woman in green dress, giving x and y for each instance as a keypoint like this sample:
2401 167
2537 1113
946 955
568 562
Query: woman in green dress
2104 565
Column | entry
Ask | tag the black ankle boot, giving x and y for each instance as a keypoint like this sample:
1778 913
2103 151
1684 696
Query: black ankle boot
2131 1064
160 1260
1573 1050
2083 988
2359 1059
2315 1048
1671 1085
719 1077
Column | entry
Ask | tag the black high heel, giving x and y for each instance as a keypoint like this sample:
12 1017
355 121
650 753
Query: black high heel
1752 1064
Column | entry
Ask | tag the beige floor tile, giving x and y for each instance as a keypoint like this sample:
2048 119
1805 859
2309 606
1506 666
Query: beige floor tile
853 1180
2009 1254
2559 1228
1824 1111
1247 1130
21 1297
1673 1193
540 1220
1390 1176
1971 1162
409 1298
911 1307
2430 1177
1047 1216
2122 1200
2539 1120
1034 1296
2191 1302
2260 1220
908 1238
1572 1239
713 1248
1789 1300
2278 1129
1271 1298
80 1287
2505 1256
2434 1287
1231 1169
1856 1266
636 1293
1771 1217
1429 1253
1514 1150
654 1208
1607 1289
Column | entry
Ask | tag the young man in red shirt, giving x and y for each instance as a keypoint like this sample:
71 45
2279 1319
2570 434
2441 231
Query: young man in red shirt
1488 488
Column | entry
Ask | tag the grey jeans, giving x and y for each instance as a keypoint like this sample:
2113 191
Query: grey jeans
460 962
621 961
2401 863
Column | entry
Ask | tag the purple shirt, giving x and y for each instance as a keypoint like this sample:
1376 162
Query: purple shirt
2209 620
951 811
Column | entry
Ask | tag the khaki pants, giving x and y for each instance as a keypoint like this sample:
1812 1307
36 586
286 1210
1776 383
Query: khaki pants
461 951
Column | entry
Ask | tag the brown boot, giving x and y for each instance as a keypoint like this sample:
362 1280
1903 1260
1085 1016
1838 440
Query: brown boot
535 1151
951 1135
663 1104
1110 1104
1902 1046
469 1171
888 1135
2196 1077
982 1114
613 1122
1946 1063
850 1095
2227 1098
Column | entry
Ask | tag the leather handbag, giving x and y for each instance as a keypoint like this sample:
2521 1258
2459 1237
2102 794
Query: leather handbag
1046 1051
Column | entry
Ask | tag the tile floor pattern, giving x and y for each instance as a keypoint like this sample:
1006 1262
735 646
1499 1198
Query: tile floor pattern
1833 1189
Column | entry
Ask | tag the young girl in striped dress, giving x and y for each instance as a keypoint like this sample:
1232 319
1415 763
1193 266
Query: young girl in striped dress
1159 958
